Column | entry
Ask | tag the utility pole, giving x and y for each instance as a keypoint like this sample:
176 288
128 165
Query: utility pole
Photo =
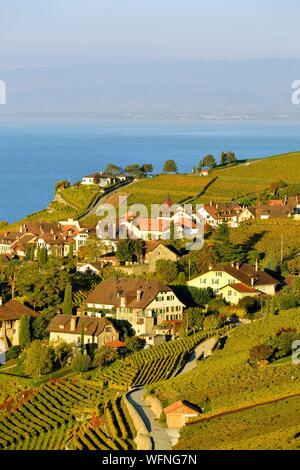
281 254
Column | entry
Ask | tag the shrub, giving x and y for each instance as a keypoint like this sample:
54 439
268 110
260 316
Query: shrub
38 359
212 322
260 352
135 343
104 356
282 342
13 352
249 304
80 362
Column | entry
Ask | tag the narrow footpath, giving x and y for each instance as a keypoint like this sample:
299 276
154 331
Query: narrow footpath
162 437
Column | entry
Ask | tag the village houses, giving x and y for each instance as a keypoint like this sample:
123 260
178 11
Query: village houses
145 304
75 329
235 281
10 316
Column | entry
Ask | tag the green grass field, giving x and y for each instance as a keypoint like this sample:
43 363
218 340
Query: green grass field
227 381
268 427
223 185
266 237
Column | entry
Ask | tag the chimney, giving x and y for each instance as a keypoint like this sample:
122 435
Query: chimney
73 324
217 206
138 295
252 281
237 265
232 264
123 302
256 265
210 203
1 301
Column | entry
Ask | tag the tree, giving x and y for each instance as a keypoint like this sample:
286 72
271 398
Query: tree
134 344
170 167
62 352
194 318
25 330
209 160
104 356
200 166
42 255
41 323
80 362
166 270
63 184
147 168
9 275
134 170
67 307
230 157
212 322
112 169
181 280
282 342
129 250
201 297
93 250
71 252
223 159
249 304
38 359
27 253
260 352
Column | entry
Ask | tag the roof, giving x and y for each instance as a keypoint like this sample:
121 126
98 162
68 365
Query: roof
244 273
274 211
153 244
92 326
111 291
188 407
116 344
14 310
242 288
224 210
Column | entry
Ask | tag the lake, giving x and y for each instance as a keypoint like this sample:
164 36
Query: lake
35 153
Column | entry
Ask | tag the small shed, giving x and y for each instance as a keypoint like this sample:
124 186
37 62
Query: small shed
178 413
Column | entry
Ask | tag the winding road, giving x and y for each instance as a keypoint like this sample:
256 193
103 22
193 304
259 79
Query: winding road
164 438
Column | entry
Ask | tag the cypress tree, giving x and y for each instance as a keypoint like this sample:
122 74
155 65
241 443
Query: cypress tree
25 330
32 252
43 256
68 304
27 253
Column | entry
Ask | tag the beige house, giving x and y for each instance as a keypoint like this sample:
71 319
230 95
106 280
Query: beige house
10 316
245 274
69 328
233 293
248 213
155 251
144 304
179 413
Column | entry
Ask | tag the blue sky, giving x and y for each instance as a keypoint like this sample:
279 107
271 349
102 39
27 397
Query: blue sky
48 32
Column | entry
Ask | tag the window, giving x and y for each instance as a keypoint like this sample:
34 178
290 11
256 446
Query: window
219 273
215 281
203 281
229 293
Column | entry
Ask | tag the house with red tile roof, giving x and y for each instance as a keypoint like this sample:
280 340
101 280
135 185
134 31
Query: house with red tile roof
179 413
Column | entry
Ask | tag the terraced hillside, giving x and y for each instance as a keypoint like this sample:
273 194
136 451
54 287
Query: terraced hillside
224 184
51 419
227 381
152 365
269 427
